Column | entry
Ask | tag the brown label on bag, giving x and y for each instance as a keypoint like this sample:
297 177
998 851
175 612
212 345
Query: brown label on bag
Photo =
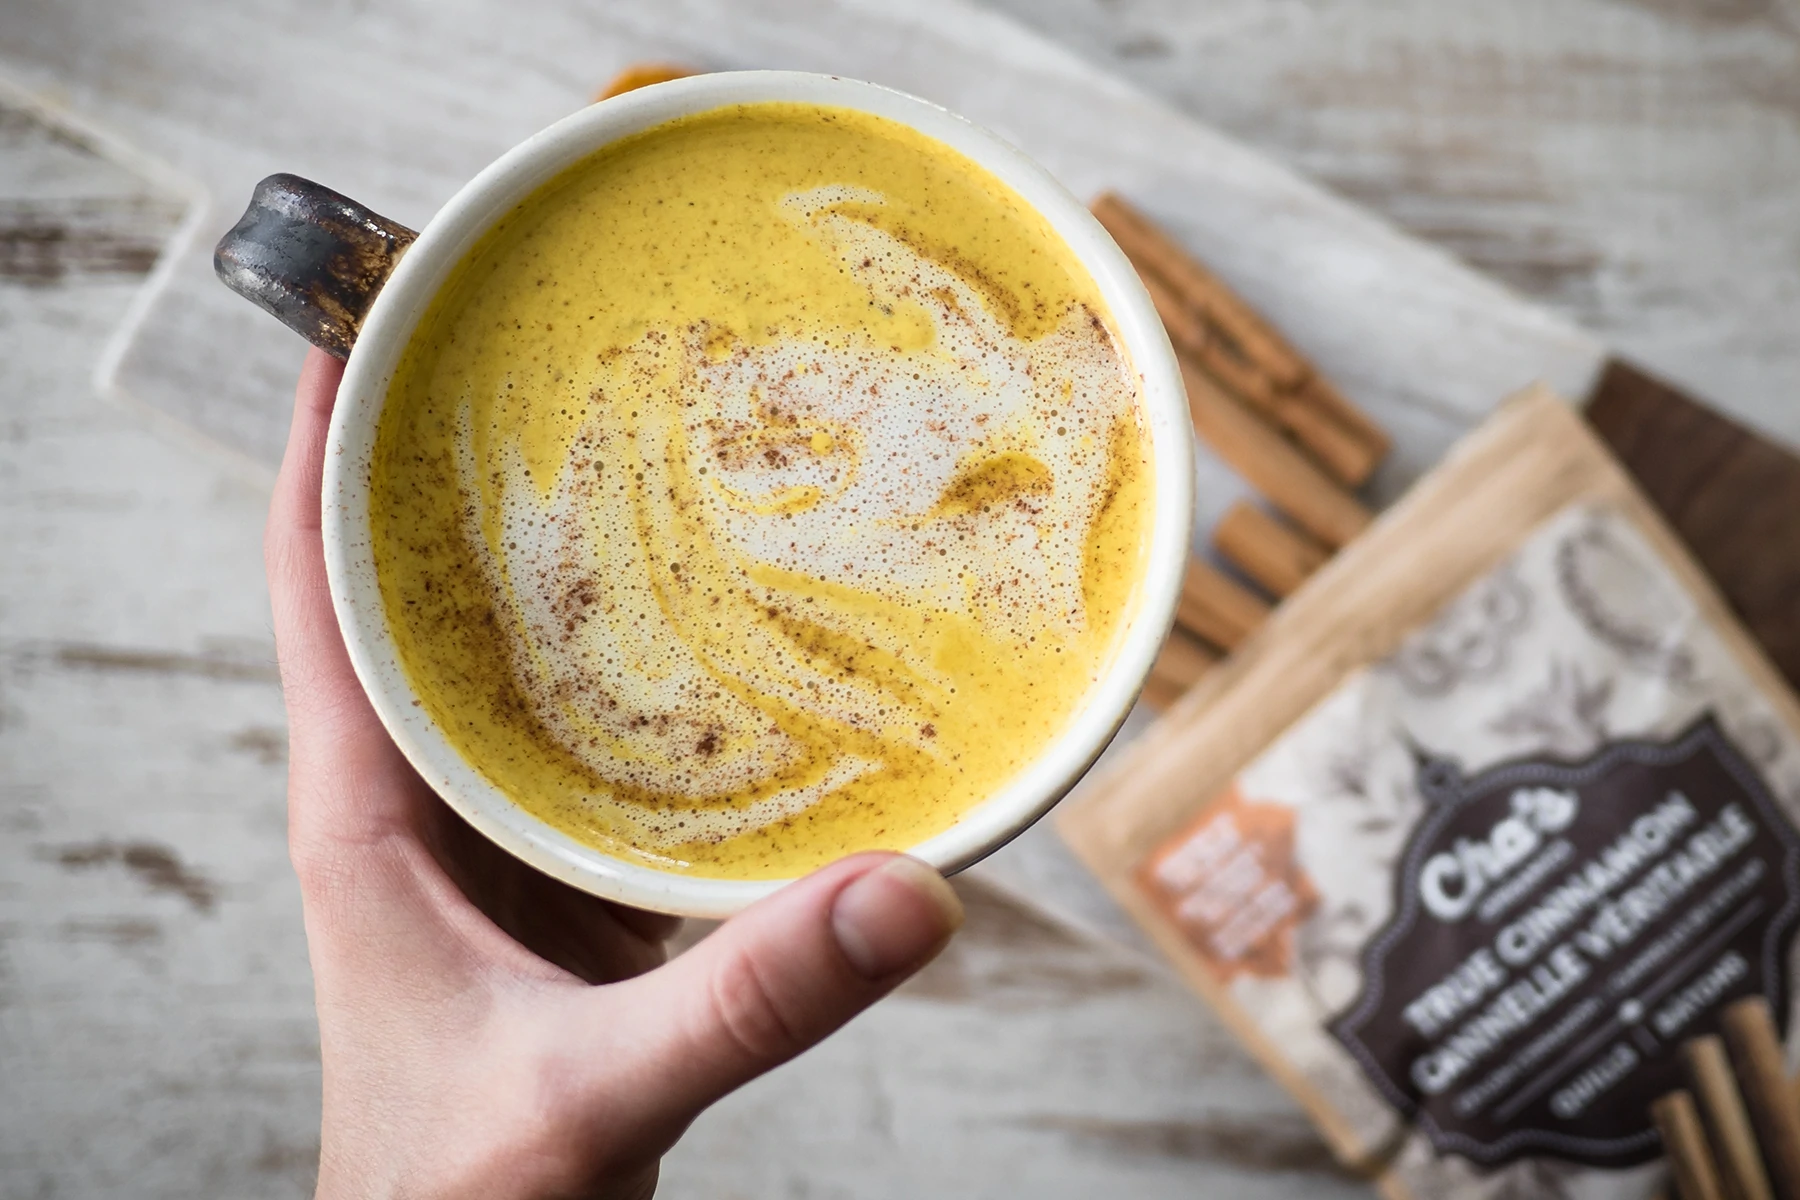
1232 885
1558 930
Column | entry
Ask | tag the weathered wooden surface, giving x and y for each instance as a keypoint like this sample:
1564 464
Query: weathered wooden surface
156 1034
1633 165
156 1026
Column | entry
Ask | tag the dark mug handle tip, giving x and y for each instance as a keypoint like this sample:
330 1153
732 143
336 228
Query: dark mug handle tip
312 257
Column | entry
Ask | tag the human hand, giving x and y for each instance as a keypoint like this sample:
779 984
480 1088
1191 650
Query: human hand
485 1030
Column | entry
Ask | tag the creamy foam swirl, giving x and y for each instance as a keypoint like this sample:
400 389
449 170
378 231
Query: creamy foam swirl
745 583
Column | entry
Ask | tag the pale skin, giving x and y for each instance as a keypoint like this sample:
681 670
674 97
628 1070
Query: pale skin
489 1032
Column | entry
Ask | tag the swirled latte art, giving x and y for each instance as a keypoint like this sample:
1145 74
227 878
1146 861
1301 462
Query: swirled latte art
768 487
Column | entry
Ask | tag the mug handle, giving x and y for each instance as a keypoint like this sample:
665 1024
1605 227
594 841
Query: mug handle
313 258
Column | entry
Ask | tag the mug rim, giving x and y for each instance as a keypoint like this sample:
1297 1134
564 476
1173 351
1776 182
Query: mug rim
496 191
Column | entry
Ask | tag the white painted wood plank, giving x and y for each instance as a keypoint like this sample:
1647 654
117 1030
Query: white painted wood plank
1632 165
156 1027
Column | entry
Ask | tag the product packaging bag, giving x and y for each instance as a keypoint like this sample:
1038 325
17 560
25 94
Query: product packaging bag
1492 816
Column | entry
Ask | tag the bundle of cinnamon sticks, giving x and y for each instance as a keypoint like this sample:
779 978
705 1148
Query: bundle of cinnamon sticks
1269 414
1735 1135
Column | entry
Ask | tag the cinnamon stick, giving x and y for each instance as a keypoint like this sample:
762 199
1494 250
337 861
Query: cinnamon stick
1217 609
1230 341
1188 329
1684 1140
1774 1111
1320 393
1178 666
1335 447
1727 1121
1270 464
1143 242
1266 548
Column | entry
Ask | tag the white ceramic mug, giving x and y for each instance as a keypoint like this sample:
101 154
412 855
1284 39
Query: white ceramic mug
356 284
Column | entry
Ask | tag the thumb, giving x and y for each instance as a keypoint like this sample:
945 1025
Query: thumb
784 973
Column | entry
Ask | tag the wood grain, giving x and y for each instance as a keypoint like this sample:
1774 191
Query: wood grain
1732 495
151 955
1627 164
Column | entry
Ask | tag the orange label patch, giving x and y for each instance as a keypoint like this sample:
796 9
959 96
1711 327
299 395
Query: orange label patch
1230 882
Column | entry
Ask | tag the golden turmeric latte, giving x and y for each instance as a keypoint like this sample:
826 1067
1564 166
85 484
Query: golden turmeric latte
769 486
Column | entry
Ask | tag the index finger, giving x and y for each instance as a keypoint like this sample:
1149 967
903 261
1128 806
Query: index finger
348 780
